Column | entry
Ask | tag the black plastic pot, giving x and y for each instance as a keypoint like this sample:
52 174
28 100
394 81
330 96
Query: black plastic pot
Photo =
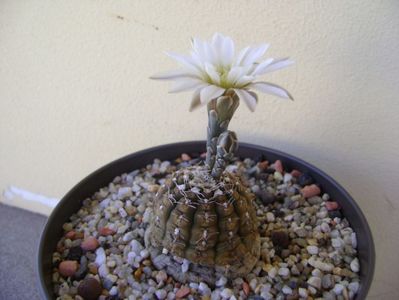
71 203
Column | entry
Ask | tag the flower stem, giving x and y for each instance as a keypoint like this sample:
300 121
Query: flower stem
220 112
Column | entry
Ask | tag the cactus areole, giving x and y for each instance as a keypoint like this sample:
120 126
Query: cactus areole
204 213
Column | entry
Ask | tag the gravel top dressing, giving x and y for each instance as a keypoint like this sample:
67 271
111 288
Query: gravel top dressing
308 249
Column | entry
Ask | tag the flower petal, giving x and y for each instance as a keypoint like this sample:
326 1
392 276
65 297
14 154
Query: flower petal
278 64
260 68
254 54
213 74
184 60
244 80
171 75
195 100
249 99
227 51
241 56
210 92
271 88
186 84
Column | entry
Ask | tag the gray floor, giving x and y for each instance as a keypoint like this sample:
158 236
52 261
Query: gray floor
19 236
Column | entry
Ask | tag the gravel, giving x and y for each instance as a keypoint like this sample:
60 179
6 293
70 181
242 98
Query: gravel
307 248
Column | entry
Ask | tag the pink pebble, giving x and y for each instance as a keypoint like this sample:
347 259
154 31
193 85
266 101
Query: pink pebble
183 292
185 157
310 191
296 173
68 268
332 205
90 243
278 166
104 231
70 235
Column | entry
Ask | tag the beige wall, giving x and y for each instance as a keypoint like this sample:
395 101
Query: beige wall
75 93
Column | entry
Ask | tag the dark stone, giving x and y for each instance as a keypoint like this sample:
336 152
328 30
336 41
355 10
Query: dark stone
89 289
256 297
285 253
287 202
81 273
269 171
280 238
305 179
266 197
279 213
334 214
107 284
105 245
75 253
293 284
262 176
115 297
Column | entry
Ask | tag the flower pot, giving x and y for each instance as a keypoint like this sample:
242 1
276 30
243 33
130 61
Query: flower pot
71 203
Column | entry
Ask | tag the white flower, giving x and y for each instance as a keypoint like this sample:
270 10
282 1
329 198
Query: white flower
212 68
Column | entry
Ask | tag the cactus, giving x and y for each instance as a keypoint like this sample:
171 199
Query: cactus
207 221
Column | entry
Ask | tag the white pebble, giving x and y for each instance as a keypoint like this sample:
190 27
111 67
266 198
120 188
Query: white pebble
336 243
303 293
161 276
124 192
287 177
136 247
355 265
270 217
185 266
103 271
100 257
122 212
128 236
144 253
161 294
284 272
338 288
315 282
221 282
353 287
287 290
226 293
204 289
272 272
312 250
325 227
113 291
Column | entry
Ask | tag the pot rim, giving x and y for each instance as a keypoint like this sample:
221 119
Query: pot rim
364 224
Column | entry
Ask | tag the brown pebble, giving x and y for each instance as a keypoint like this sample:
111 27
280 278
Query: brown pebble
310 191
93 268
106 231
90 244
68 268
278 166
183 292
185 157
263 165
137 274
90 288
131 210
79 235
246 288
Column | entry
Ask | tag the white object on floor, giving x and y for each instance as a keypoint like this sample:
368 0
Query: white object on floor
24 199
